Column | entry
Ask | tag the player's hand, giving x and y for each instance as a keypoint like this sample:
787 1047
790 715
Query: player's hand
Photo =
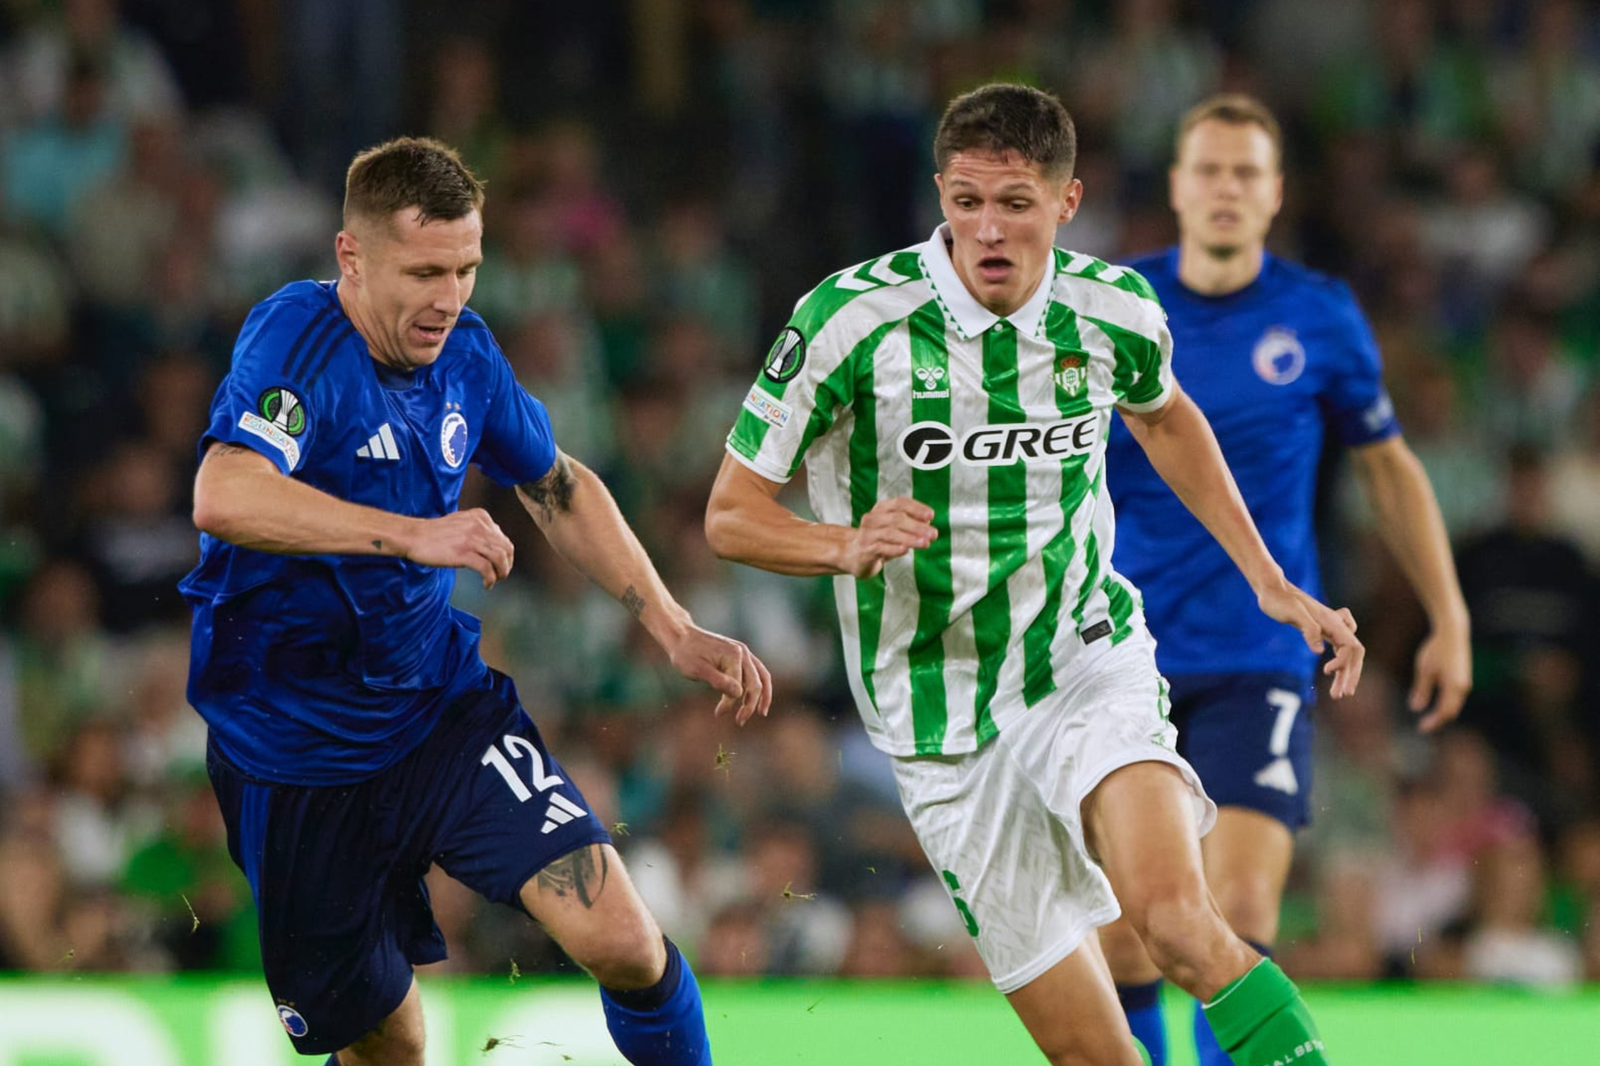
727 666
892 528
463 538
1443 677
1318 623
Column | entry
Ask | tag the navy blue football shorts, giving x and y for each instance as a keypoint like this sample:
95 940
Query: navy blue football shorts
1248 736
337 871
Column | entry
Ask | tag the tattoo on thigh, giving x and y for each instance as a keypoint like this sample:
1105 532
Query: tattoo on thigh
577 874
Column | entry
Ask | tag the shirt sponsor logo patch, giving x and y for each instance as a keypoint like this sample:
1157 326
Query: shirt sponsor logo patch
768 408
933 445
254 424
1279 357
453 438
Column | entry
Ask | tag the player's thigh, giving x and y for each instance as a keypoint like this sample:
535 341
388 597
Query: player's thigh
1025 890
1072 1012
1249 738
586 901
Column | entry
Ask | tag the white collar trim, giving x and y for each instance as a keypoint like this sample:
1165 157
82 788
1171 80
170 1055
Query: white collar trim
969 316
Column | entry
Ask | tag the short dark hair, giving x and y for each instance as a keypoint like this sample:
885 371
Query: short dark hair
417 172
1002 118
1231 109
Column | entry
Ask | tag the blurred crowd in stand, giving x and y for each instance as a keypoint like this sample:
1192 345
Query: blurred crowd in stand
665 178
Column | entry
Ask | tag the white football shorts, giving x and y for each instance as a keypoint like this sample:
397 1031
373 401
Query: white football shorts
1003 825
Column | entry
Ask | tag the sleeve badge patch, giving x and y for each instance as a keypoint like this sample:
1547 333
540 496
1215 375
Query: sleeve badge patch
786 356
283 409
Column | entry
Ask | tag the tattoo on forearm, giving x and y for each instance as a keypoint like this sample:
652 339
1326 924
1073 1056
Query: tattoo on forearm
633 602
577 874
553 492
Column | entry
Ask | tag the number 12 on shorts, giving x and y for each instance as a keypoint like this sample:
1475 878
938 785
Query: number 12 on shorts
518 747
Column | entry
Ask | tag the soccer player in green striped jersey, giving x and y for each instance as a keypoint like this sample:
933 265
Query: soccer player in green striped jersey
950 402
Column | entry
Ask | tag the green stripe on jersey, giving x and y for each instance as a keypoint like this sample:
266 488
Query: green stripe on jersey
863 495
1008 528
1038 640
931 565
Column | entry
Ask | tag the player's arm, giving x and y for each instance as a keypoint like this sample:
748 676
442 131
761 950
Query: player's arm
1184 451
1410 524
576 513
745 523
241 497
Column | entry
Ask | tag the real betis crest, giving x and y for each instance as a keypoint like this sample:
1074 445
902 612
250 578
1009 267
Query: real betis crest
1071 374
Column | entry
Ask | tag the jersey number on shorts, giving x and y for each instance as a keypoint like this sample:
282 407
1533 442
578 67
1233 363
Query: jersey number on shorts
1279 773
519 746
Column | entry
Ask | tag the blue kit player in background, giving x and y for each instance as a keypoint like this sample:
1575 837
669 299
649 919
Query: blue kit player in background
1274 354
356 734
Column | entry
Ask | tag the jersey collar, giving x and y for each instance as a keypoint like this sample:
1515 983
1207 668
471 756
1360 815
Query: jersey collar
970 317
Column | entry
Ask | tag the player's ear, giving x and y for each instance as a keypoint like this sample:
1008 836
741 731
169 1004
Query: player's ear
347 249
1071 197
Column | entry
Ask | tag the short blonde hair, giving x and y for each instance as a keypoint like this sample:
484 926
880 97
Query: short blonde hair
1233 109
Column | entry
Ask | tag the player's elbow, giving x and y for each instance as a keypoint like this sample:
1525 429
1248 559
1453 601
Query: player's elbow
719 526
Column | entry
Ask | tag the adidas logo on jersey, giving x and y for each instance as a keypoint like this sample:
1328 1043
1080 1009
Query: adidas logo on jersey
380 445
560 812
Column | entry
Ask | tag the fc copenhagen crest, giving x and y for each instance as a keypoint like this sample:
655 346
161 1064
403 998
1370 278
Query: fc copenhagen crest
1279 357
453 438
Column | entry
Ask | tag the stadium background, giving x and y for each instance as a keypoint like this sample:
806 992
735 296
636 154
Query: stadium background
666 177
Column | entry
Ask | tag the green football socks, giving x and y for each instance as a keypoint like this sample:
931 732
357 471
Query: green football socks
1260 1020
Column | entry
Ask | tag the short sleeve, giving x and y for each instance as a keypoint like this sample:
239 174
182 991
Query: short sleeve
804 382
1143 377
518 444
265 403
1356 402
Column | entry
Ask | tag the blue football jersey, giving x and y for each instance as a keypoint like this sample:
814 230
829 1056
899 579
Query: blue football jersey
1272 366
326 669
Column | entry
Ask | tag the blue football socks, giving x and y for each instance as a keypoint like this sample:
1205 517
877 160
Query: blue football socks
1142 1005
663 1025
1205 1041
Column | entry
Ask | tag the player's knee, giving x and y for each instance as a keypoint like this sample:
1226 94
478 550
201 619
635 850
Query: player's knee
624 954
391 1046
1250 905
1125 954
1178 930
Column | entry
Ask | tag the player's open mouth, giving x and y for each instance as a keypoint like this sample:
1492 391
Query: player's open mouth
1225 218
994 267
431 334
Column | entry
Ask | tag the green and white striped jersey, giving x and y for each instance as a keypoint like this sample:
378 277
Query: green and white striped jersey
892 380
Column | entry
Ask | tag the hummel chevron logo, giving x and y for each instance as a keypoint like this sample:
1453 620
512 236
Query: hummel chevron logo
560 812
380 445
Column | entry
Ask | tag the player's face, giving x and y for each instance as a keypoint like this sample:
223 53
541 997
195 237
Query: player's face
1226 187
409 281
1003 213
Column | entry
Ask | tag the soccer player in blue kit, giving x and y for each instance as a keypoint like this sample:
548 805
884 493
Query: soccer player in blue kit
356 735
1274 354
